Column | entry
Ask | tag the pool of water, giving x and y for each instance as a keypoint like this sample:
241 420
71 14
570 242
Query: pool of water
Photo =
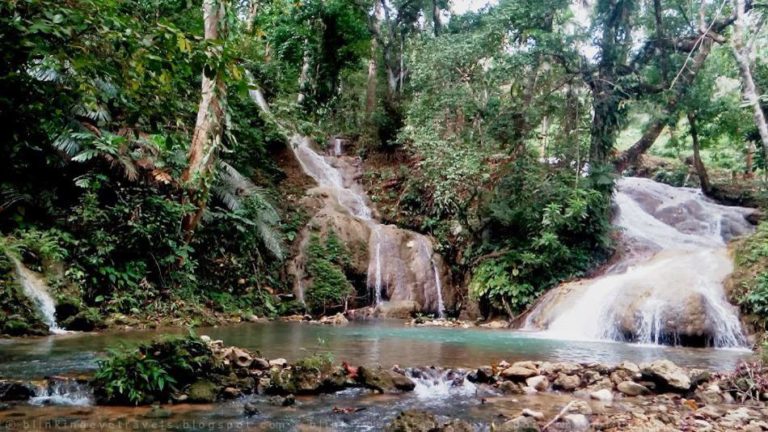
384 343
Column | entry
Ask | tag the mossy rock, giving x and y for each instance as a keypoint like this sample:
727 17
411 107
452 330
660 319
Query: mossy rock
203 391
86 320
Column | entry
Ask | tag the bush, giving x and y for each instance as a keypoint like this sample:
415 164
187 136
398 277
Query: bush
326 263
151 372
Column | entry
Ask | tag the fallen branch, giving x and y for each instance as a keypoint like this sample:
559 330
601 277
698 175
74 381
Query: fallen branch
558 416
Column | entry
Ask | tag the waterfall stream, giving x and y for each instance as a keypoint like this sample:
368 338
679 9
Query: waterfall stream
36 290
402 264
667 287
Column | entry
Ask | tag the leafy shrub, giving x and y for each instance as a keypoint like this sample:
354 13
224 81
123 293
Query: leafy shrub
151 372
325 265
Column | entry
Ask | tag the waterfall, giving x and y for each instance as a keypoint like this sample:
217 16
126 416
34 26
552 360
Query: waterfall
667 287
36 290
435 383
64 392
392 269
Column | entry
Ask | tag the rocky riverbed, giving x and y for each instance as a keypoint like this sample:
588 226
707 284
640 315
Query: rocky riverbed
521 396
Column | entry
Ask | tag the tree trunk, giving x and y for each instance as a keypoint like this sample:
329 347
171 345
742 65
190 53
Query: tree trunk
748 169
630 156
209 126
698 164
370 93
436 25
253 8
748 88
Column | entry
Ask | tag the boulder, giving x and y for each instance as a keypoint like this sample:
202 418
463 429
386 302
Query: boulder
384 380
668 374
631 388
240 358
603 395
413 421
567 382
400 309
519 372
520 424
539 382
15 391
203 391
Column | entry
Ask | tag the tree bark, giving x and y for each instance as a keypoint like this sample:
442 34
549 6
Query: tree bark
370 93
748 88
436 25
698 164
630 156
209 126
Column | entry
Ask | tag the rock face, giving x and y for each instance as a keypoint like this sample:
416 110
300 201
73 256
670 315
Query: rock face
396 264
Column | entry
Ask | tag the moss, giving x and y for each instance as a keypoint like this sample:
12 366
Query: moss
326 265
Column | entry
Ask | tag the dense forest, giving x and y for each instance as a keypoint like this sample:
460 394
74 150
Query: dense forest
145 178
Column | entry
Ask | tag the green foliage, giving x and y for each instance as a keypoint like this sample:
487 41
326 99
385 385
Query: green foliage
152 372
749 281
545 229
326 262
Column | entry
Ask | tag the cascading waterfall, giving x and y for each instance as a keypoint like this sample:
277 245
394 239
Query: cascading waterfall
668 287
392 269
36 290
63 392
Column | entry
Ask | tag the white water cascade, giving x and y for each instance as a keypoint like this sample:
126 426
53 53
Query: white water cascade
36 290
402 264
668 285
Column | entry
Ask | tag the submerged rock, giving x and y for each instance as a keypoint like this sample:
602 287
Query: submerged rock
413 421
203 391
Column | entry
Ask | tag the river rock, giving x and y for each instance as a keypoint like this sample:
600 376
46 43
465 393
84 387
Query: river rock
603 395
15 391
401 309
203 391
576 422
413 421
519 372
456 425
240 358
250 409
629 366
280 362
538 415
631 388
567 382
384 380
709 412
579 406
157 412
520 424
485 375
552 369
539 382
509 387
338 319
260 363
668 374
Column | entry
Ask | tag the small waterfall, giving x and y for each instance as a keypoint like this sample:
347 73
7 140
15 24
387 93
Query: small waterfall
400 271
36 290
440 384
439 289
667 287
64 392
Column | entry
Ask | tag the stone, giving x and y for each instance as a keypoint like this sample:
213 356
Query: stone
240 358
539 382
250 409
279 362
287 400
741 415
338 319
503 364
202 391
260 363
576 422
520 424
538 415
400 309
629 366
701 425
603 395
231 393
518 373
15 391
457 425
709 412
485 374
384 380
413 421
560 367
631 388
157 412
509 387
566 382
580 407
668 374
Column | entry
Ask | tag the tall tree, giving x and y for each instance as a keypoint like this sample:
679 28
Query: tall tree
209 127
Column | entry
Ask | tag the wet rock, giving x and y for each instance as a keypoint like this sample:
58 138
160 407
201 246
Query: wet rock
157 412
338 319
485 375
567 382
240 358
509 387
699 376
560 367
279 362
580 407
629 366
231 393
592 377
603 395
401 309
15 391
539 382
576 422
260 363
287 400
413 421
538 415
518 373
203 391
250 409
384 380
457 425
520 424
631 388
668 374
